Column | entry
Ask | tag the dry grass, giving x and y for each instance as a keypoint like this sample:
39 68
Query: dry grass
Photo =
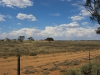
12 48
48 58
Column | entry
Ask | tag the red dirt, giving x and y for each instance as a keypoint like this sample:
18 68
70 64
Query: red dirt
42 63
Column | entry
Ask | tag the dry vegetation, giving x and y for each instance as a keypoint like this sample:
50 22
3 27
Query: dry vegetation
11 48
46 58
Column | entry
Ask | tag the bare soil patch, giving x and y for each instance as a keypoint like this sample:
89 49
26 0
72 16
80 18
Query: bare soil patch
46 64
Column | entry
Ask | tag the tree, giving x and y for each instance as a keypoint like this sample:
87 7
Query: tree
7 39
49 39
21 38
98 31
30 39
93 6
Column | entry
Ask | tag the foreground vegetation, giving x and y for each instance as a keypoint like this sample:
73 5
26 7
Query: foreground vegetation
92 68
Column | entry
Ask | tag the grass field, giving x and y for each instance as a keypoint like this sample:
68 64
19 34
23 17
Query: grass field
11 48
46 58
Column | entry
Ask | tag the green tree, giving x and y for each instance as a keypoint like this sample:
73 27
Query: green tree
49 39
93 6
30 39
21 38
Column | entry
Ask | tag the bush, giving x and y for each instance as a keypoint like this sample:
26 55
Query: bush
91 69
87 69
33 54
45 73
67 63
53 68
72 72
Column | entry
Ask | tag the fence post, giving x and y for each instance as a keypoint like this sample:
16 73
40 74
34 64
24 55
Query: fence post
90 67
89 57
18 66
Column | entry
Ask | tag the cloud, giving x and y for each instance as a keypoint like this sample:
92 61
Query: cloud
2 17
84 13
77 18
22 16
16 3
84 23
70 31
70 25
56 14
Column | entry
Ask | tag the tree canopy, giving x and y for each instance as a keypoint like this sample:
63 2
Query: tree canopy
21 38
93 6
30 39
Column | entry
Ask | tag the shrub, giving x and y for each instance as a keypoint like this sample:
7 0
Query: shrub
72 72
45 73
91 69
67 63
53 68
76 62
29 71
33 54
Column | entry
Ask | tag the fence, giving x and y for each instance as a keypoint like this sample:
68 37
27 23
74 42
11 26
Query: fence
46 63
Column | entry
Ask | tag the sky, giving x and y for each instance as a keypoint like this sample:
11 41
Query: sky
59 19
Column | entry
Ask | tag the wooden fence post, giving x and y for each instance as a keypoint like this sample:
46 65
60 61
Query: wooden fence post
18 66
89 57
90 67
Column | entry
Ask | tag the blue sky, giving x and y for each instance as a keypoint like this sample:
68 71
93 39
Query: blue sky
60 19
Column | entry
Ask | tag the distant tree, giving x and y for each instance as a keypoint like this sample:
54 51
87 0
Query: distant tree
49 39
21 38
30 39
93 6
7 39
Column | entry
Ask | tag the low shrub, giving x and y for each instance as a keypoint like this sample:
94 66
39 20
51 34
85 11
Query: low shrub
33 54
29 71
53 68
45 73
91 69
72 71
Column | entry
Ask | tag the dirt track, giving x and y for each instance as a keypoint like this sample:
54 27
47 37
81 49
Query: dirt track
41 64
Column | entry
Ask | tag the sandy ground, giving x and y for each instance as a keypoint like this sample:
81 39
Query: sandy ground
51 64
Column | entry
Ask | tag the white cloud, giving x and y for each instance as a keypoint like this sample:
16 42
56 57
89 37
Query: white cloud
70 31
56 14
84 13
2 17
71 25
84 23
16 3
77 18
22 16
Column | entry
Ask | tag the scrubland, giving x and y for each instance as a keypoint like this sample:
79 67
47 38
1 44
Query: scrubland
46 58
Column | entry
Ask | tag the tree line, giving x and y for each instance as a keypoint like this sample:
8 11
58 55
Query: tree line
21 39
